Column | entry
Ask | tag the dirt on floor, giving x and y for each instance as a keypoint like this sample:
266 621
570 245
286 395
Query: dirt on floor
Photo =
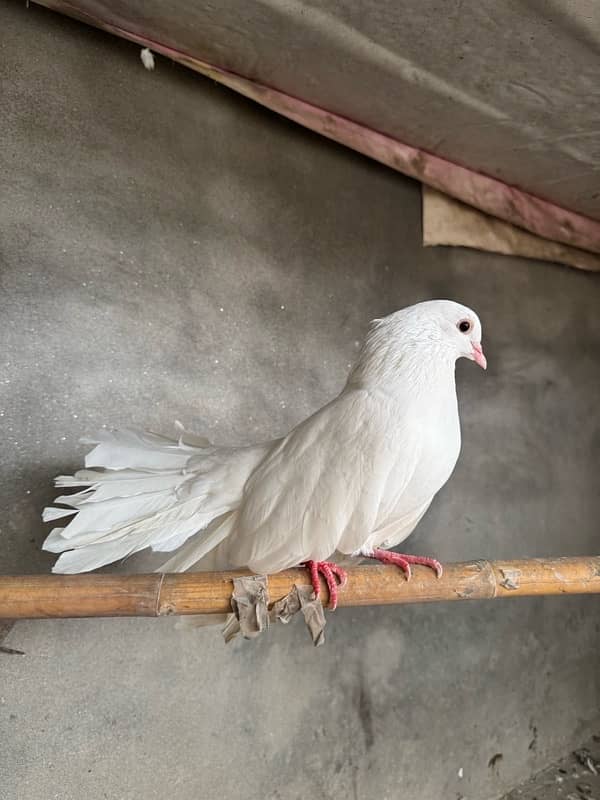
5 626
576 777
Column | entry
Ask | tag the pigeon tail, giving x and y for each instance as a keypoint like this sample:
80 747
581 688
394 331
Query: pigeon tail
141 490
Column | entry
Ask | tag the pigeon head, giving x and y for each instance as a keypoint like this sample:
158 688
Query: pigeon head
427 335
459 327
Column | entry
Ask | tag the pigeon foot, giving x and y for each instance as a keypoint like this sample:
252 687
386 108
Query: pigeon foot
404 561
334 576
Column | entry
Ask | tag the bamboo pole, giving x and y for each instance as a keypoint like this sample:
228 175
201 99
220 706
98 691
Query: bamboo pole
157 594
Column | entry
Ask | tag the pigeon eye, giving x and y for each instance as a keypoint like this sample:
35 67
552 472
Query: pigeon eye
464 326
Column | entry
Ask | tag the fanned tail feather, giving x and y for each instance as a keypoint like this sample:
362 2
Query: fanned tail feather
139 490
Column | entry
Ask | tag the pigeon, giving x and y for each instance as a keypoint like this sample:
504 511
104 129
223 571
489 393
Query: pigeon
351 481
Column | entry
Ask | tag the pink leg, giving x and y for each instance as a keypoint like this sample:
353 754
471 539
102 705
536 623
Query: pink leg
403 561
333 575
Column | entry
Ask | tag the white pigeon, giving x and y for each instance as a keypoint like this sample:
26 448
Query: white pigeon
353 479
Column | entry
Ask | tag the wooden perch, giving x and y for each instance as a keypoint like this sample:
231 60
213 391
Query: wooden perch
154 595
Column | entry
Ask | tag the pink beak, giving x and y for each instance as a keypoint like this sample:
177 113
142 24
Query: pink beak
478 356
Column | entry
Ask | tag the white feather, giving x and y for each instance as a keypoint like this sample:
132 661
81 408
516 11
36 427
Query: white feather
145 491
147 58
50 514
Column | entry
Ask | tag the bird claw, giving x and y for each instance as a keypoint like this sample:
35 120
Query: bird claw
404 561
334 576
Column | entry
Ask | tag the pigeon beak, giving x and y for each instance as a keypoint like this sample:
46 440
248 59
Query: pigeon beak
478 356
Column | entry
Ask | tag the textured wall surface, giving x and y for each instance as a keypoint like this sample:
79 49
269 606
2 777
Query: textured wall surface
169 251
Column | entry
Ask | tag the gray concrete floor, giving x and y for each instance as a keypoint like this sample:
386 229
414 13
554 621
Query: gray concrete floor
576 777
169 251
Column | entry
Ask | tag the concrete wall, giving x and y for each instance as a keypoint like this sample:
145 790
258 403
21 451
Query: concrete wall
169 251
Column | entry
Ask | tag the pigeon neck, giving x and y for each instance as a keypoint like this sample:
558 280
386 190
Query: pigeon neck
423 369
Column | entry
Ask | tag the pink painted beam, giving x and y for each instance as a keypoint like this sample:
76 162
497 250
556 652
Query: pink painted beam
488 194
